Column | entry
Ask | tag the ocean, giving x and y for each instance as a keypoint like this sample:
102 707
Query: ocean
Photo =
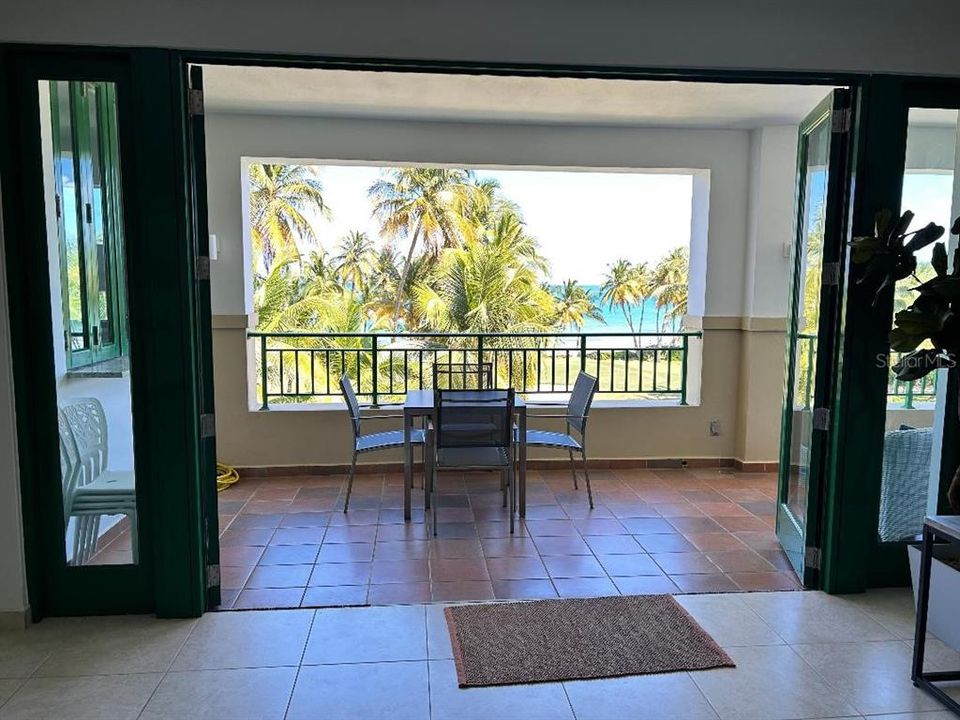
613 318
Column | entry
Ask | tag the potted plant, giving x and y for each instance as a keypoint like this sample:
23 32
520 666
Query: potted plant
929 332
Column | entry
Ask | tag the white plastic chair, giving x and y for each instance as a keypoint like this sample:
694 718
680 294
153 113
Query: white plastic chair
90 489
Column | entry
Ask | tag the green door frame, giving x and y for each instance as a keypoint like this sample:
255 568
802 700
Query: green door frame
79 103
859 560
806 532
169 578
162 191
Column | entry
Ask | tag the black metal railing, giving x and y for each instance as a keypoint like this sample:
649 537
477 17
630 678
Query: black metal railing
899 392
296 367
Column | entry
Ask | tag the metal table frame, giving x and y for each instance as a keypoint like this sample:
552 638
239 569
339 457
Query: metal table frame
419 404
944 528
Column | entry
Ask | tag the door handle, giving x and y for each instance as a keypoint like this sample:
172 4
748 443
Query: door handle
88 209
96 335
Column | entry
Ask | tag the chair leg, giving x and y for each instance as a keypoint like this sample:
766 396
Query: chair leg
426 477
433 491
586 474
353 471
504 486
134 535
513 496
573 470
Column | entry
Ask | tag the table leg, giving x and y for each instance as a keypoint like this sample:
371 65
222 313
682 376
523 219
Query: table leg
523 463
923 601
407 466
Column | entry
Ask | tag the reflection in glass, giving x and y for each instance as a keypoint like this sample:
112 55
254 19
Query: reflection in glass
81 178
808 312
67 208
910 473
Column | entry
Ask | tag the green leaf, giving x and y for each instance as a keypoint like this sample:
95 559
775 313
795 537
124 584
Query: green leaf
939 259
904 341
864 248
917 364
946 287
923 237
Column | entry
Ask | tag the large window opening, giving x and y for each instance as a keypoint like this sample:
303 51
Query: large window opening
536 274
379 225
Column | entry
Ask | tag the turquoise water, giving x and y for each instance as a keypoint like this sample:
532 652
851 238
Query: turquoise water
614 319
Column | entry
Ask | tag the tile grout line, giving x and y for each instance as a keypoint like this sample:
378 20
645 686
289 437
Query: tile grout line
169 665
303 654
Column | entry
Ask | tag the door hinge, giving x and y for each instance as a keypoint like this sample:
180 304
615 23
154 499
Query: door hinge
811 558
841 120
202 267
821 418
195 101
830 274
88 211
213 576
208 425
57 203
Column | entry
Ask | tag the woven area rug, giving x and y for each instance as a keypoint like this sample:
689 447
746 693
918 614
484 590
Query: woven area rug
576 639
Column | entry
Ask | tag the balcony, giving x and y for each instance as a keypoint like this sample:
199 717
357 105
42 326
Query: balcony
305 367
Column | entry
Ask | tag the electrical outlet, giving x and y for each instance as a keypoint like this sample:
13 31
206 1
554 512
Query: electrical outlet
714 428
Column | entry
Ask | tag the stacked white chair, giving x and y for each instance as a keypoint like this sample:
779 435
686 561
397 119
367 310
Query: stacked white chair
90 489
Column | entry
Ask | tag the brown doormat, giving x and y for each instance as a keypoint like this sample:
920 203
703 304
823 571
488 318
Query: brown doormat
577 639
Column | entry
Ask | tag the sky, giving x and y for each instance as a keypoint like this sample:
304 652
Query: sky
929 196
584 220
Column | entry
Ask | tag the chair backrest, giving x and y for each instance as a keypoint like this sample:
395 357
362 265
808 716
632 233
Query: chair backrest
353 407
462 376
88 425
578 407
472 419
70 465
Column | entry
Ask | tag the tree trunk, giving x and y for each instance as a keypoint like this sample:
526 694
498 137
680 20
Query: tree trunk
403 276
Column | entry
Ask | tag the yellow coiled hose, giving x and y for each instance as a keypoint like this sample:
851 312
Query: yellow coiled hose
226 476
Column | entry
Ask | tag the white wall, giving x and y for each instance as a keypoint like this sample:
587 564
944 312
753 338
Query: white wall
724 153
770 224
858 35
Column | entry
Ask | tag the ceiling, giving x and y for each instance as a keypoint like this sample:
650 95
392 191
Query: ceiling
433 96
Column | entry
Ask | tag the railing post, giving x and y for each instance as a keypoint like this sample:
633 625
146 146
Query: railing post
583 353
264 405
808 390
480 363
683 370
376 373
908 397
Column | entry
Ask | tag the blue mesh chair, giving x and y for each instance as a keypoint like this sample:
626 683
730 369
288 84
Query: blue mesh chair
578 409
371 442
473 431
462 376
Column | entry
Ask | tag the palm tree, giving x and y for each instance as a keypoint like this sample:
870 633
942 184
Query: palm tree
318 275
281 199
355 259
574 304
671 287
419 204
620 289
483 287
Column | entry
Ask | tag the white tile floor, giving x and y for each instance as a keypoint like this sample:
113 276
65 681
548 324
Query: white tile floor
798 655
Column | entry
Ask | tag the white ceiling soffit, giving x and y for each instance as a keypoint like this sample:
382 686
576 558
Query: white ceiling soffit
433 96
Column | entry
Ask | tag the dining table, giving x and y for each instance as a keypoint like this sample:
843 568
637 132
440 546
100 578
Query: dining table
419 405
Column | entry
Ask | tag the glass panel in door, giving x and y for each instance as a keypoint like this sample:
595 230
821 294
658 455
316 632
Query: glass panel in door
72 271
103 227
820 183
94 408
910 475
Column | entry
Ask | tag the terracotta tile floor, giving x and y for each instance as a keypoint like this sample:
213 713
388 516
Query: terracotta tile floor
285 542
